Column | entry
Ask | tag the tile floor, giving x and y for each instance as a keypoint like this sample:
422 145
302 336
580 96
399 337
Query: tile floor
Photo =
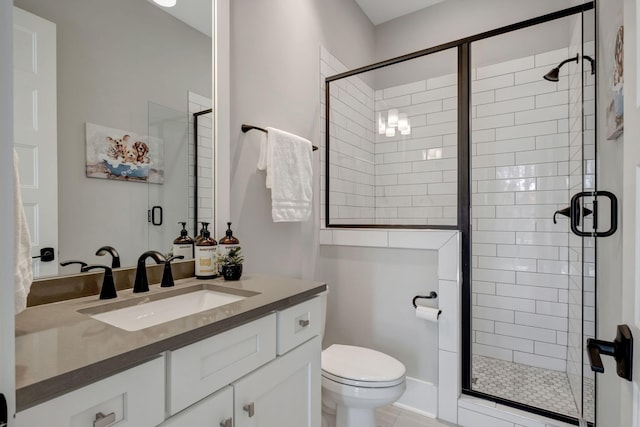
542 388
391 416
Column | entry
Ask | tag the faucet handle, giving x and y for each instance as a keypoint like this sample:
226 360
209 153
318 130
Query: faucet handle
108 289
73 261
167 275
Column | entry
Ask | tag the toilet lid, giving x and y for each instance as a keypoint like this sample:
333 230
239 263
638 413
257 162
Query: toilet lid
361 364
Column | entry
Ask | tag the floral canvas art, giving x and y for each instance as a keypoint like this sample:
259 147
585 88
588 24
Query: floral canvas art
123 155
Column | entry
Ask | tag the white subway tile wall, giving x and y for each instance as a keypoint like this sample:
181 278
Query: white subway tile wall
199 103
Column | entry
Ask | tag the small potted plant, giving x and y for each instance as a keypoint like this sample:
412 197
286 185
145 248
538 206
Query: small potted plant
231 264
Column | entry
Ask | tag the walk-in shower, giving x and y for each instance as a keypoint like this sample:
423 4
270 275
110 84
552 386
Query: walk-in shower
480 136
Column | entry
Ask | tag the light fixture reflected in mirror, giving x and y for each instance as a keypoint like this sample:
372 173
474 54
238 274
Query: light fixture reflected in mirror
395 120
165 3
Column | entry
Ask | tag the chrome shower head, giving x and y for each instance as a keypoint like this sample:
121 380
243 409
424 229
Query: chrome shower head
552 75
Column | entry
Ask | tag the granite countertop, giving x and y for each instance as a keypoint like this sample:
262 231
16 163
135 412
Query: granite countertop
59 349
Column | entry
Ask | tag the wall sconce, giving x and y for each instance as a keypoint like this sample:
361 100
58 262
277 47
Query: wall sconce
395 120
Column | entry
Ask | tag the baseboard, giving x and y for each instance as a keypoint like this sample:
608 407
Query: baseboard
420 397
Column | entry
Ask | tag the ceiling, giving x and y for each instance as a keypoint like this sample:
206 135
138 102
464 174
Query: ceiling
197 13
380 11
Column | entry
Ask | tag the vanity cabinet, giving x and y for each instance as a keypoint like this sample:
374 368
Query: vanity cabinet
272 365
132 398
199 369
284 393
263 373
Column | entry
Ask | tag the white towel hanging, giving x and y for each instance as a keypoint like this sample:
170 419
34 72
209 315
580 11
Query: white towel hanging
23 270
289 166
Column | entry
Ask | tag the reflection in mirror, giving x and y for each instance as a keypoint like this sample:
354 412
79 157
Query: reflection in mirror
124 65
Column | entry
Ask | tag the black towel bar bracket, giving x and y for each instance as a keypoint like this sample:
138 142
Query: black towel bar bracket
247 128
431 295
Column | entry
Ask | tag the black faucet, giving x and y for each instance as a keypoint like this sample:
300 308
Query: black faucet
115 262
142 284
73 261
108 289
167 276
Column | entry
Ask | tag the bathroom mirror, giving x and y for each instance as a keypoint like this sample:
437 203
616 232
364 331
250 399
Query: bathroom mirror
132 68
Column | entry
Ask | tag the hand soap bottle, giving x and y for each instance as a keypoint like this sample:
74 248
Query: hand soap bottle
183 244
227 243
206 255
199 236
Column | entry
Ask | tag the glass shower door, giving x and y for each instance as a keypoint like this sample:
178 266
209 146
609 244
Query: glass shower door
533 281
168 175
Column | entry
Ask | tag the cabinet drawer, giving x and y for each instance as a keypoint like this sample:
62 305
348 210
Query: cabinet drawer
199 369
211 411
135 397
298 324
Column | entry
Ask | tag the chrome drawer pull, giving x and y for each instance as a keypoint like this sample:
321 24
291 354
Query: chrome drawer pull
249 409
227 423
103 420
304 323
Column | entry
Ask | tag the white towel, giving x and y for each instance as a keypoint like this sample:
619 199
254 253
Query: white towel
289 167
23 275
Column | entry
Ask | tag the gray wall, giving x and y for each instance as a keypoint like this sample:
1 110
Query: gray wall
7 266
275 69
369 303
610 159
113 57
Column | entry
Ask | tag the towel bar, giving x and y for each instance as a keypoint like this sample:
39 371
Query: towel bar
247 128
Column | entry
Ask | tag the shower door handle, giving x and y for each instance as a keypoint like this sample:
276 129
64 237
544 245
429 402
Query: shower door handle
621 349
577 211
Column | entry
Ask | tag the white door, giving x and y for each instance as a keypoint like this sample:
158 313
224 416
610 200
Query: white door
7 333
35 130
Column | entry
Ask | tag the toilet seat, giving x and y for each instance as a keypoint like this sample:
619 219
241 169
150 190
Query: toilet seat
365 384
361 367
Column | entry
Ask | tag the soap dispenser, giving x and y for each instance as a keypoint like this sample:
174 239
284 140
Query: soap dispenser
200 234
226 243
206 255
183 244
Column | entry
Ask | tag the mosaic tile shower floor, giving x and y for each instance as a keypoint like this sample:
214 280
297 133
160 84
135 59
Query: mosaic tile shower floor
542 388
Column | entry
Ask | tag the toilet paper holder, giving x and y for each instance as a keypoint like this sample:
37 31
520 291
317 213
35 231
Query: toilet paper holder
431 295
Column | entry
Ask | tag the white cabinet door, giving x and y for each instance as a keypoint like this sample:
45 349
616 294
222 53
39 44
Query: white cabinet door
133 398
213 411
283 393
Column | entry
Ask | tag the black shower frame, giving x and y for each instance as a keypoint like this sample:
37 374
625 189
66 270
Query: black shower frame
196 229
464 183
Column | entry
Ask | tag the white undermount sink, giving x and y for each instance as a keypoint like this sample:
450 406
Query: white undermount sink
151 313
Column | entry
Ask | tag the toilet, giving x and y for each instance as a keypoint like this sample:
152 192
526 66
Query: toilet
356 381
